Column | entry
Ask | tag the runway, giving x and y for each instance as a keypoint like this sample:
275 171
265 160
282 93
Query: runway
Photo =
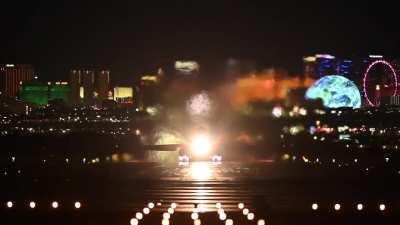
113 194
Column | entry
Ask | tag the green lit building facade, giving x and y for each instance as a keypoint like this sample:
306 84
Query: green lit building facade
40 94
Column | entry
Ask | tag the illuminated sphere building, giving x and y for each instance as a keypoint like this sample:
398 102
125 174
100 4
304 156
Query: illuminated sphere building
335 91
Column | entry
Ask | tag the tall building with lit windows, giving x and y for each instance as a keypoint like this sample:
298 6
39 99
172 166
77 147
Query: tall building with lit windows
325 64
319 65
12 76
75 85
102 84
309 67
87 85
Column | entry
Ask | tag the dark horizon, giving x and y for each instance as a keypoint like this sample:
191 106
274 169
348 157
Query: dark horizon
131 38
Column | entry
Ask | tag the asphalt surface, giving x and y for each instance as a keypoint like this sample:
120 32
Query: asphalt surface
114 193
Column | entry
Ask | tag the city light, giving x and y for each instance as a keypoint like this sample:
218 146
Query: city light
277 111
376 56
325 56
186 67
309 59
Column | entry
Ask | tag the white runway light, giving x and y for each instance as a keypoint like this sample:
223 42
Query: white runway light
314 206
134 221
77 205
382 207
150 205
10 204
201 207
197 222
173 205
194 216
171 210
54 205
261 222
222 216
218 205
240 205
139 215
229 222
337 207
146 211
250 216
165 222
166 216
32 205
360 207
245 212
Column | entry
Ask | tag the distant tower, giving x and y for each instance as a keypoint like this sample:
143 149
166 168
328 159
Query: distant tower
75 83
88 86
309 67
12 76
377 95
103 84
344 67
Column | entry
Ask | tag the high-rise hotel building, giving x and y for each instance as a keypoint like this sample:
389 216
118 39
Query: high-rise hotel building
12 76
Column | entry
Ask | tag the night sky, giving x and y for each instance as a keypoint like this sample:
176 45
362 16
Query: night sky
134 37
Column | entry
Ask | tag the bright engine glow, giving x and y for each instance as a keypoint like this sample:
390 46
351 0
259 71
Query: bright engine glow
201 144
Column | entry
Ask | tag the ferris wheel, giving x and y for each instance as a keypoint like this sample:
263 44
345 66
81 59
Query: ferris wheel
367 78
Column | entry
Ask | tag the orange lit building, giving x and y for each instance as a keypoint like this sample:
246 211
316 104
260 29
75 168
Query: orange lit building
12 76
